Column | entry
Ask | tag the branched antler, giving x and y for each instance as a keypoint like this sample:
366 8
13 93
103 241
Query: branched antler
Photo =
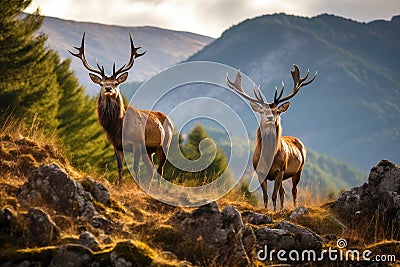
237 86
100 71
297 84
134 55
81 56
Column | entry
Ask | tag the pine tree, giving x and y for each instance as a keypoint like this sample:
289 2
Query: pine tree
28 84
191 151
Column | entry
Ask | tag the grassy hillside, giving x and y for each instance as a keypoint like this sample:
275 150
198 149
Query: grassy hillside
129 226
351 111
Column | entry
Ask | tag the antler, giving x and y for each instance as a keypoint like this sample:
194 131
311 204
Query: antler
134 55
297 84
237 86
81 56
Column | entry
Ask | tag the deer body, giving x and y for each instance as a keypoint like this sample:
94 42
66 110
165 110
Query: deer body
276 157
288 162
145 132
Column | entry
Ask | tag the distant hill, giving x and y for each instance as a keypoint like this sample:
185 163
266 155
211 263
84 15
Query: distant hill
352 110
320 171
109 43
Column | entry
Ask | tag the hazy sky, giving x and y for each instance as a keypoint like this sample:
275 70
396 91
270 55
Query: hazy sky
208 17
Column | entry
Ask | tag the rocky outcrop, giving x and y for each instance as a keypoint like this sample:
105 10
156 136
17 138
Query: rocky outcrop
207 235
377 200
51 184
42 231
124 253
222 238
98 191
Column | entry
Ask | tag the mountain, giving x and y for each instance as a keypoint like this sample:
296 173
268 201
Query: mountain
109 43
351 111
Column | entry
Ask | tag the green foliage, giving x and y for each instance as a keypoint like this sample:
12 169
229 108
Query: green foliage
36 85
244 191
28 83
191 151
327 173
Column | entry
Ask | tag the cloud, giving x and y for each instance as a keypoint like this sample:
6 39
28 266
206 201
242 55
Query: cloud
208 17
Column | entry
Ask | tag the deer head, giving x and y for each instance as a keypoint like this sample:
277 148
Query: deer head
270 112
109 84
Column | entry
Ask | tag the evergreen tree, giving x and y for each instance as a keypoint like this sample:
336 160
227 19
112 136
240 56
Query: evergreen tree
28 84
191 151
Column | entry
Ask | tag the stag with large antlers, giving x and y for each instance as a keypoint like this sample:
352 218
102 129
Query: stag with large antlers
276 157
147 132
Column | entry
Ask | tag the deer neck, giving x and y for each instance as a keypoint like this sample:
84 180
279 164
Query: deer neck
270 137
110 113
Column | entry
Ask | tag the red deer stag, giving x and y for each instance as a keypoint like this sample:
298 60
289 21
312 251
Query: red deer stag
148 132
286 154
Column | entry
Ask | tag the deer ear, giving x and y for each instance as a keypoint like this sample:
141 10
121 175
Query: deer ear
122 78
282 108
94 78
256 107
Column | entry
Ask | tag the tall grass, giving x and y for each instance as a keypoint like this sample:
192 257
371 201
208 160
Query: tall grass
18 128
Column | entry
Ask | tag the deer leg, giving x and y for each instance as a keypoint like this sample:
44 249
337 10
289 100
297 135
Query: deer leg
150 155
150 169
136 162
162 158
282 195
277 186
264 186
120 156
295 181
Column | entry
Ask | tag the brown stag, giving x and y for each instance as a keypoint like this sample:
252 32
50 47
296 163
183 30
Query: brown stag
147 132
276 157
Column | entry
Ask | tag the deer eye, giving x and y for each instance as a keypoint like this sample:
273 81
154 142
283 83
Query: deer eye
116 84
101 84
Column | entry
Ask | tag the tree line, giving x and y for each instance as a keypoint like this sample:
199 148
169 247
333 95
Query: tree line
35 84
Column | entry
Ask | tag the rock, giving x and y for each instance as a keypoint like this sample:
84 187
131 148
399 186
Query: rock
6 221
42 230
72 255
287 236
256 218
305 238
211 235
98 221
99 192
86 239
379 199
51 184
225 240
233 215
298 212
275 239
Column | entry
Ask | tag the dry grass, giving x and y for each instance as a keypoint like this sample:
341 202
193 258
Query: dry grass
138 216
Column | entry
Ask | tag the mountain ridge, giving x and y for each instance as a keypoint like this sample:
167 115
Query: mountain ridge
110 43
357 78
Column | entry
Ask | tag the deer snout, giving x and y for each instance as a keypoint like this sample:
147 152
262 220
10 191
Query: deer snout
270 118
108 89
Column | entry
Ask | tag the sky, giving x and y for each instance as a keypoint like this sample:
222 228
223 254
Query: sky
207 17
